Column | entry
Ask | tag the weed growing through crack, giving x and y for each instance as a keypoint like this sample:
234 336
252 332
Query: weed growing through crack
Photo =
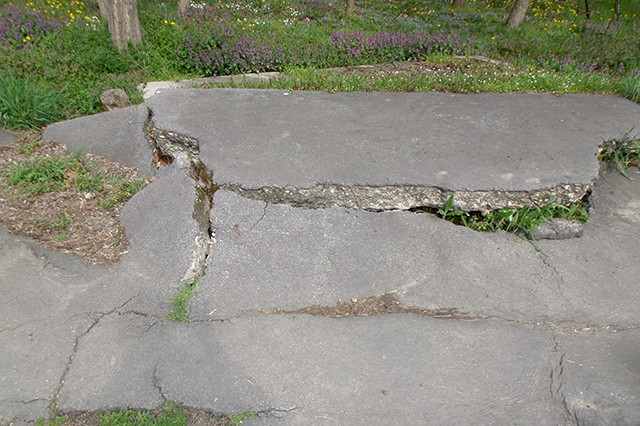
623 153
522 220
180 301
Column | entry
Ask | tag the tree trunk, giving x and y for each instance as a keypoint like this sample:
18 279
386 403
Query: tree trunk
517 13
587 13
103 9
458 3
617 7
124 25
183 7
350 5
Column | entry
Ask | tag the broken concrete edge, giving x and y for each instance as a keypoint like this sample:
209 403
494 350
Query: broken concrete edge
153 87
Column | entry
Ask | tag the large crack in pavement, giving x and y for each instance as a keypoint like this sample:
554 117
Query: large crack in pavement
169 147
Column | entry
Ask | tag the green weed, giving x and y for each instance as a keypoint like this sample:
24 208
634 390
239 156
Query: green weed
622 153
180 301
61 222
61 238
53 420
28 146
123 190
522 220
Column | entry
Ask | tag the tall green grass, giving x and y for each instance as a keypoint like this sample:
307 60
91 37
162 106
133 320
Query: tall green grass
24 105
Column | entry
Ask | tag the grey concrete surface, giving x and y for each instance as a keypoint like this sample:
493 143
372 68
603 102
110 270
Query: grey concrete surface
546 337
599 377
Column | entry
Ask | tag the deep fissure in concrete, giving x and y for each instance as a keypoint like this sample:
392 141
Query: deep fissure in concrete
169 147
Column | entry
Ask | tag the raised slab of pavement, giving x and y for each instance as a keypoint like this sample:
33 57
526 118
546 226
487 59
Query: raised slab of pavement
462 327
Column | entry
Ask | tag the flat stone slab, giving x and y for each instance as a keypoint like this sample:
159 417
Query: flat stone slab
497 142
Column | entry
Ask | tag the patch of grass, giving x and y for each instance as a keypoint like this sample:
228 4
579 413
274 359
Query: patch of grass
37 176
180 301
629 87
24 105
622 153
61 222
28 145
34 176
438 74
168 415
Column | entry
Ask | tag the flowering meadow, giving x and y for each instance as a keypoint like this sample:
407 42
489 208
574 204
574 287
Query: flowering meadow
61 49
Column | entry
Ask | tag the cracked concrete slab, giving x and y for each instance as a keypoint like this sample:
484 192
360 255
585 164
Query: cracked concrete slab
90 383
389 143
279 257
162 240
116 135
390 369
